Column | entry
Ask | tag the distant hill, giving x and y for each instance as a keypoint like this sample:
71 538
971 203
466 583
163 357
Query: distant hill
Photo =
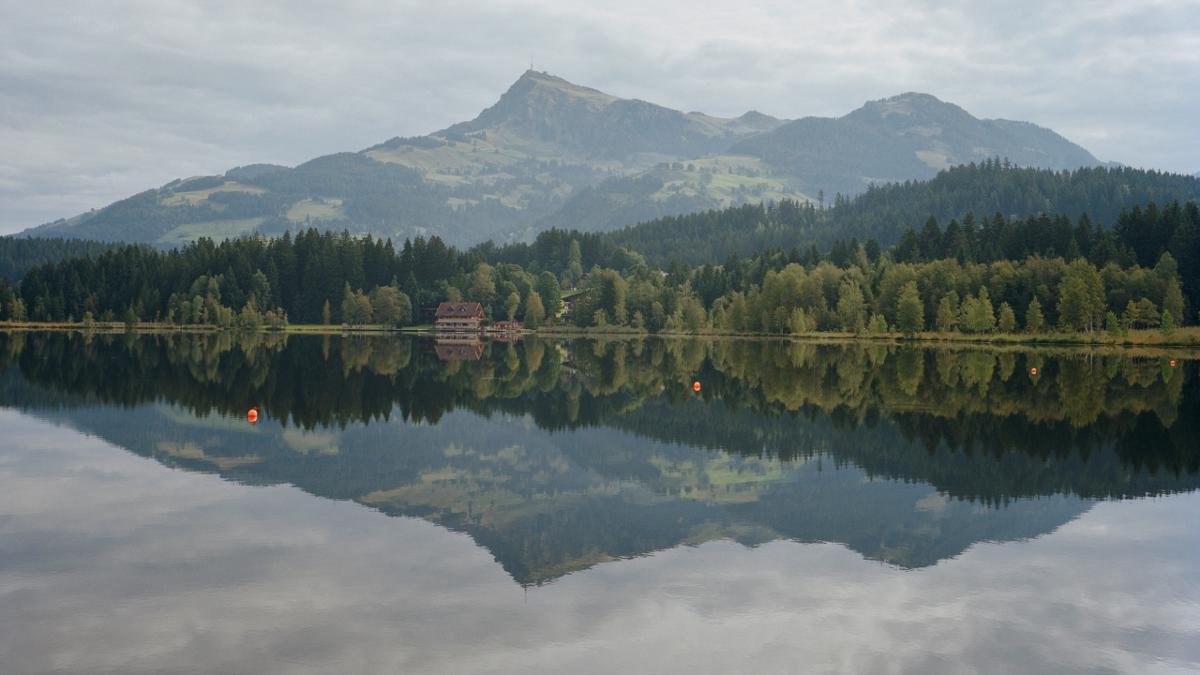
883 213
551 153
18 255
905 137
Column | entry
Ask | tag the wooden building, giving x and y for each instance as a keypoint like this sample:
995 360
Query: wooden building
459 317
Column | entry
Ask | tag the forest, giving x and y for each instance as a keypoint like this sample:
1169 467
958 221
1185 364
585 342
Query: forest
357 280
18 255
992 188
1049 272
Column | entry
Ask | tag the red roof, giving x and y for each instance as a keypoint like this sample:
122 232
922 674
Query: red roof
459 310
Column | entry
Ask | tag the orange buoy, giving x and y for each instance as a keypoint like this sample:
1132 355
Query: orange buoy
696 386
252 416
1033 370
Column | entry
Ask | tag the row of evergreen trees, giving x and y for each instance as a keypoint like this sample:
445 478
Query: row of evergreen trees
884 212
313 277
19 254
305 278
1139 236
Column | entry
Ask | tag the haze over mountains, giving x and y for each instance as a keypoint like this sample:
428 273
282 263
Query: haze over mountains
552 153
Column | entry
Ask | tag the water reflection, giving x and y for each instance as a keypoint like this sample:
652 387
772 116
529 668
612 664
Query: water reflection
558 455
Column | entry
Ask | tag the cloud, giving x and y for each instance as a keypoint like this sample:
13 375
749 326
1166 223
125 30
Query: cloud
99 101
110 562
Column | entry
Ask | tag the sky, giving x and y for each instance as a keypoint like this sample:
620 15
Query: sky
99 101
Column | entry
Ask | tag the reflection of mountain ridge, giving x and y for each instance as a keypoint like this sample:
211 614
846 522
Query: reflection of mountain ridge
548 505
554 468
1055 457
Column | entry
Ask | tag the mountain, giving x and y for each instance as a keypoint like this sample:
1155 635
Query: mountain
551 153
544 114
911 136
906 137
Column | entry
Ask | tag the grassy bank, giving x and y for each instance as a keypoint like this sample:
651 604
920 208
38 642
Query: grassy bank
1188 337
1182 337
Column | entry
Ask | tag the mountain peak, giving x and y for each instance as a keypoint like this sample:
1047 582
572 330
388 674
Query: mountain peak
913 97
755 117
533 83
532 101
544 77
543 111
910 104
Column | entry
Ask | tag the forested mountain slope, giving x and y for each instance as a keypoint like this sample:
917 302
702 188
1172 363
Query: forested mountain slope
884 213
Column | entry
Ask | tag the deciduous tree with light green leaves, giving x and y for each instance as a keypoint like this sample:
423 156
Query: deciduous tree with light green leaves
483 285
1112 324
535 313
1081 300
1008 319
390 306
910 312
978 314
1035 321
511 303
356 307
551 293
947 312
1141 314
878 325
851 308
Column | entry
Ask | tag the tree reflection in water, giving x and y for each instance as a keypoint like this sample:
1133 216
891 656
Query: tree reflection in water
557 455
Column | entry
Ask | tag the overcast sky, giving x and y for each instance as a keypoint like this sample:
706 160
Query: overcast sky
102 100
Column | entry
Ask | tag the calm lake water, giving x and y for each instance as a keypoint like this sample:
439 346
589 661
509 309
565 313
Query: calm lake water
404 505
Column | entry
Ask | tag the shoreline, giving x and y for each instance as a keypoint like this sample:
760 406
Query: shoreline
1186 337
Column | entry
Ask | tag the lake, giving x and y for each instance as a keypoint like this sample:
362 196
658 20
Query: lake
411 505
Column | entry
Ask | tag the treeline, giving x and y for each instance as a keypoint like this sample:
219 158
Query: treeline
18 254
313 277
1140 236
883 213
1035 274
771 294
323 278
